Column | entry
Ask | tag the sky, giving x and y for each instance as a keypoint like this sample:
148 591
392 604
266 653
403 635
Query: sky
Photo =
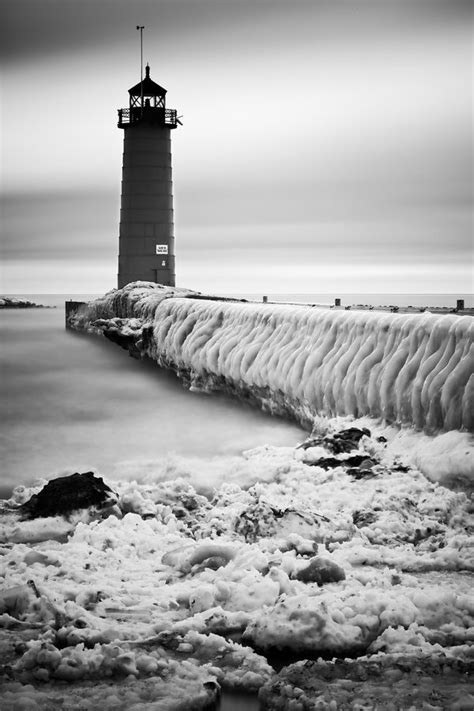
326 145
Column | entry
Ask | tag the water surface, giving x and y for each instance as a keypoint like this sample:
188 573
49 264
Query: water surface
72 402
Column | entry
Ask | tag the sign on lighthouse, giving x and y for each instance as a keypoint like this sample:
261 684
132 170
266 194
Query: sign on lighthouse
146 239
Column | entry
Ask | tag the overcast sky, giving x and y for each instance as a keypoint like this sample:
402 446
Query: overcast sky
326 146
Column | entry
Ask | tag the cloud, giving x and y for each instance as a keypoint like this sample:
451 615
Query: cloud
66 25
59 226
319 132
252 275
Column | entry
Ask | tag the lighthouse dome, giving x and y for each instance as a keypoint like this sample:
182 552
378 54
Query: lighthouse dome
148 87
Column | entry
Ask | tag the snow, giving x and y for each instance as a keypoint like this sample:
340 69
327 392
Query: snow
217 580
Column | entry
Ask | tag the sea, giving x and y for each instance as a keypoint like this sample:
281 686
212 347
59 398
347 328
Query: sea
74 403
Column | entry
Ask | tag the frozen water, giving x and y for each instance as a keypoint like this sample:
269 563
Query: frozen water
409 369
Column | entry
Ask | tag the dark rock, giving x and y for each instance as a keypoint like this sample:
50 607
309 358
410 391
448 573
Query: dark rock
362 469
261 519
347 440
180 512
361 473
326 463
381 439
343 441
341 446
68 493
356 460
364 518
352 433
360 460
321 571
400 468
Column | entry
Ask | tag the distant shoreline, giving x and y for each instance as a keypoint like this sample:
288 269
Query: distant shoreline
412 303
7 302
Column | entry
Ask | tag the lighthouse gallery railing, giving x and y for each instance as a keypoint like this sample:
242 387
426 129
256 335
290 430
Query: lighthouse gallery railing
160 115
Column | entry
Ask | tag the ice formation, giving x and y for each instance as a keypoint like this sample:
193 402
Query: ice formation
408 369
331 549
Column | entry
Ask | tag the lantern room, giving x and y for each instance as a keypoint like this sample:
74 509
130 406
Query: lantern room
147 103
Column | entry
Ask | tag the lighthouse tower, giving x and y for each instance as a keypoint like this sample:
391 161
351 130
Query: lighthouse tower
146 241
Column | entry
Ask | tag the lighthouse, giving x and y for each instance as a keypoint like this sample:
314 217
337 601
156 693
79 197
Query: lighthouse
146 238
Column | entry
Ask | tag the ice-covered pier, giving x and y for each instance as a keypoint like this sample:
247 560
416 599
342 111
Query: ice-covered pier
406 369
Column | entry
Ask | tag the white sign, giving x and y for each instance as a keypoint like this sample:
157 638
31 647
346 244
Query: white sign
161 249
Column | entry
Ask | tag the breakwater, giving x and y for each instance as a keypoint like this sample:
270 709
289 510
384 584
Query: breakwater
407 369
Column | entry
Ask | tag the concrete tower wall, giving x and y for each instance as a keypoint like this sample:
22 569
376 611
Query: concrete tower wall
146 215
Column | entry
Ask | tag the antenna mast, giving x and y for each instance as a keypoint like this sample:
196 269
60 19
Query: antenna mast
141 28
